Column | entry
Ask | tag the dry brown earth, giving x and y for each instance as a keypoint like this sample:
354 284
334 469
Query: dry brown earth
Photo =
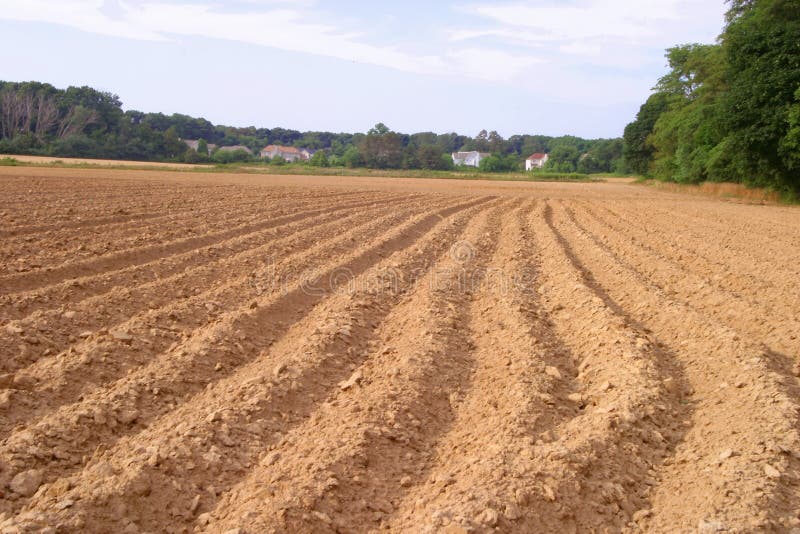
239 353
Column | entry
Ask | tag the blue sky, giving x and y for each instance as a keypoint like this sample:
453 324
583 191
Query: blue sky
578 67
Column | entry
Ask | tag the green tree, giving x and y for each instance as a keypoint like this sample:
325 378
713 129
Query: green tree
728 111
190 156
588 164
446 162
564 157
790 144
231 156
499 163
351 157
497 144
430 157
532 144
687 137
173 146
202 147
491 163
382 148
762 49
319 159
637 150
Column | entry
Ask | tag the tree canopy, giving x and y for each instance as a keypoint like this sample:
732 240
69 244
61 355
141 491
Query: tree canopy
37 118
727 111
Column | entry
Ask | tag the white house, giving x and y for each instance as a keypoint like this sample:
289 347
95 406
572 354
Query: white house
289 153
470 159
194 143
536 161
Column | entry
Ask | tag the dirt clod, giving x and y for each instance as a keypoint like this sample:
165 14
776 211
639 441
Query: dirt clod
27 482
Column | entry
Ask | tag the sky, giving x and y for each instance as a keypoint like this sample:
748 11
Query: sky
568 67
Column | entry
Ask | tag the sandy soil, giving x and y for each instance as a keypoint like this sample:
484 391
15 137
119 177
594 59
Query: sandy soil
247 354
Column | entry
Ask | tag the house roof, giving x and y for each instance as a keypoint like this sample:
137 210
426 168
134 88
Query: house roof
278 148
537 156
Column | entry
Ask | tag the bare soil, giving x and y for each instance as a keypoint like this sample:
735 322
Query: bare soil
243 354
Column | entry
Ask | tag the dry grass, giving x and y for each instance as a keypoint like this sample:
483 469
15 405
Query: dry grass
47 160
721 190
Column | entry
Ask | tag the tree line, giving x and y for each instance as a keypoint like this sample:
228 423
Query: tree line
38 118
728 111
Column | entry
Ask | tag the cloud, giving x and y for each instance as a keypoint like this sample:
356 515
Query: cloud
285 29
260 22
504 67
593 31
640 21
594 52
590 52
85 15
598 18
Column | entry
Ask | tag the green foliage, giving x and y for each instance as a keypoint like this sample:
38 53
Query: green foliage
382 148
202 147
729 111
446 163
563 158
319 159
605 155
20 144
762 45
231 156
75 144
526 145
686 133
637 150
172 143
8 162
790 145
351 157
432 157
277 160
499 163
190 156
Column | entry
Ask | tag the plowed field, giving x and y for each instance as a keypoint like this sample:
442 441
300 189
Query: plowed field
247 354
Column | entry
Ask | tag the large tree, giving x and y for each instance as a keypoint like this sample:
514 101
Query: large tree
728 111
762 49
637 150
687 136
382 148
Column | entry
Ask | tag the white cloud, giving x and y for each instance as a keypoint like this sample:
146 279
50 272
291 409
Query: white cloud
594 31
599 18
590 51
640 21
504 67
284 29
265 23
86 15
596 52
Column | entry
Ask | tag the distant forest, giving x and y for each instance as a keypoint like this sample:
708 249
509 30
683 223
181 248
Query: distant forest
37 118
729 111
